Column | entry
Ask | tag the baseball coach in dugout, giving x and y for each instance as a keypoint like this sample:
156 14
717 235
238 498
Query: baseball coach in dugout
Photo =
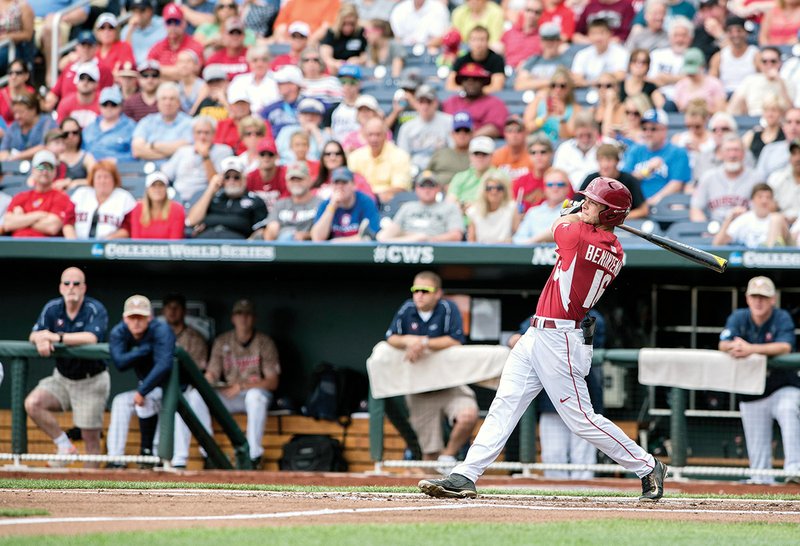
555 354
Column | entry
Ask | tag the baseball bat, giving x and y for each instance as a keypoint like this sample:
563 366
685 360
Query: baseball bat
696 255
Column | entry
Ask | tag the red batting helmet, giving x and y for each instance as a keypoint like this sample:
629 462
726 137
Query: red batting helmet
614 195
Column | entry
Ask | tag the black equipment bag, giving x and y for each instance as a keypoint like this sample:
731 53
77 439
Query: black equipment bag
313 453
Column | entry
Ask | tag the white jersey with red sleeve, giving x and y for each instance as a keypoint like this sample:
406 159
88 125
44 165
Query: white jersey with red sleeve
589 259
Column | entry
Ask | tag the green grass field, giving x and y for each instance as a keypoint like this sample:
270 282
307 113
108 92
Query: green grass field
600 532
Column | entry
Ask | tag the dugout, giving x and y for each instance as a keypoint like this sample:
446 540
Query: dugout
325 302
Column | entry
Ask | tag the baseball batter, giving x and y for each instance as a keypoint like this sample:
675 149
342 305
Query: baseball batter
552 355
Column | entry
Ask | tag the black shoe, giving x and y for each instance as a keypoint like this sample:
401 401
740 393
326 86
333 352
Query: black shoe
146 453
116 466
454 486
256 463
653 483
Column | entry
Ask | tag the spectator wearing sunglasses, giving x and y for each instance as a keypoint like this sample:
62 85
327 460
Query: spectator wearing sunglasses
85 52
537 222
748 99
166 51
552 111
43 211
343 117
110 134
662 168
268 180
83 105
144 28
608 156
144 101
212 34
111 52
232 56
424 326
494 216
18 82
226 210
192 166
292 217
464 188
528 189
425 219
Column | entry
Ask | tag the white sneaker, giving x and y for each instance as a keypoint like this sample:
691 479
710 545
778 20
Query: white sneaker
71 450
448 462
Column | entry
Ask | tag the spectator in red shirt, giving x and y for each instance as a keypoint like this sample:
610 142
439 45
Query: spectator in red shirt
522 40
268 181
298 41
18 77
488 113
112 52
143 103
42 211
82 105
528 189
156 216
166 51
233 55
564 17
85 52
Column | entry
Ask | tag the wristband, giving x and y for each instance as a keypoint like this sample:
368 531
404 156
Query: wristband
61 337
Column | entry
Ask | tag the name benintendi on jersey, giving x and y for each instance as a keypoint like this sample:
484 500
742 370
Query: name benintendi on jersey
604 259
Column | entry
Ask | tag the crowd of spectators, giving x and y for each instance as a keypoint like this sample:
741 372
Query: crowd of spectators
508 93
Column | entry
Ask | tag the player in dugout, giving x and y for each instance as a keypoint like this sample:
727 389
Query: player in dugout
554 355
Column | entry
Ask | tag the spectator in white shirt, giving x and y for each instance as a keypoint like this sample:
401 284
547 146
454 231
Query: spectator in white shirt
578 156
666 63
422 22
602 56
256 84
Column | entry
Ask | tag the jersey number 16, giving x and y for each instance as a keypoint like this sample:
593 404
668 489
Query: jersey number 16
599 283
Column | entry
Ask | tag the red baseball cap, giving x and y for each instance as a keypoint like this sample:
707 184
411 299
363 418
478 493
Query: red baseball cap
472 70
172 11
267 145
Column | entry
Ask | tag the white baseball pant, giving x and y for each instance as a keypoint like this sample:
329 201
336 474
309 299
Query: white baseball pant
783 406
558 361
560 446
253 402
1 373
122 410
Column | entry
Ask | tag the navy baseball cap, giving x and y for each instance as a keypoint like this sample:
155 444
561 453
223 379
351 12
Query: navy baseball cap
656 115
86 37
462 120
342 173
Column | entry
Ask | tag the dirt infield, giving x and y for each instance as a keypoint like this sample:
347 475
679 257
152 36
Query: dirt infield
83 511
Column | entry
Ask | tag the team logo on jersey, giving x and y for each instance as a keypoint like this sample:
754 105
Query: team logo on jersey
414 326
60 322
768 337
434 327
346 219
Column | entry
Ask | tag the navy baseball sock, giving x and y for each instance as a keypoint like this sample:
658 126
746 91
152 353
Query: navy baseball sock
147 429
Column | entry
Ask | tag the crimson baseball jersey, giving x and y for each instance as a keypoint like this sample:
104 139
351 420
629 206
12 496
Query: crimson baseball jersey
589 259
54 201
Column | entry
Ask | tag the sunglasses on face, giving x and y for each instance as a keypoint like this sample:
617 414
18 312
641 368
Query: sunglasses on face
86 78
16 72
226 6
233 177
427 184
770 61
109 104
298 36
148 75
71 283
480 154
560 184
694 126
538 152
536 11
650 128
252 133
493 187
348 81
606 86
340 182
720 129
307 59
463 130
45 167
173 22
632 113
555 85
235 32
422 289
106 27
71 133
266 154
333 154
295 179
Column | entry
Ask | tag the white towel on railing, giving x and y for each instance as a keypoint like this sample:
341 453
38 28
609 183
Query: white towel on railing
700 369
390 374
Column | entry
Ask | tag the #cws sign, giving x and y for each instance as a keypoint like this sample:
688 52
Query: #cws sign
403 254
182 251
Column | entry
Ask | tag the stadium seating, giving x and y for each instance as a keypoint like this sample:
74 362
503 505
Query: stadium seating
672 208
693 233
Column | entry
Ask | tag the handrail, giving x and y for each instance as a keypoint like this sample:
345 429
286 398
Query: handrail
54 47
12 54
184 371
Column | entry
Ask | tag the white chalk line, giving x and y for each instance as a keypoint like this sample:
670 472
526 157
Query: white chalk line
344 511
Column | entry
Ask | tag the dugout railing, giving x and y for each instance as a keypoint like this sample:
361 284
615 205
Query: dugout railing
678 415
184 374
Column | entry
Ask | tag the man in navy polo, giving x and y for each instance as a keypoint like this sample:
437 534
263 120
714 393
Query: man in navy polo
763 329
426 323
80 385
147 346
